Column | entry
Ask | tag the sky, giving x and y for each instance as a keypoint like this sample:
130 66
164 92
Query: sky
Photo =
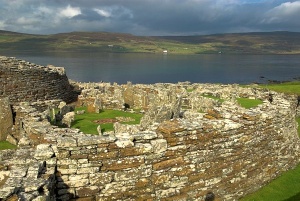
149 17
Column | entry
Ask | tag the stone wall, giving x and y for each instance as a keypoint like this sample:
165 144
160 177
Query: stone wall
24 81
6 118
228 151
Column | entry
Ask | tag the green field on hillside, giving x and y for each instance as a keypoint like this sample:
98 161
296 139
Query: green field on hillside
244 43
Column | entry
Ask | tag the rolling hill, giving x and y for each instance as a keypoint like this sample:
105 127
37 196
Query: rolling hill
237 43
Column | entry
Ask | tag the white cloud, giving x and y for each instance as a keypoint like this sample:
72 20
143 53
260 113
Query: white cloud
26 21
114 12
44 10
2 25
102 12
70 12
285 12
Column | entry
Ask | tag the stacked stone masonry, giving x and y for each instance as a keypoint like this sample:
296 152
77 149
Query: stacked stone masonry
213 147
25 81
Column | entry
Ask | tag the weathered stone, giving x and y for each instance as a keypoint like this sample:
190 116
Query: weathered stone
87 191
124 143
133 174
168 163
124 163
159 145
6 118
68 118
100 179
66 142
98 104
77 183
43 152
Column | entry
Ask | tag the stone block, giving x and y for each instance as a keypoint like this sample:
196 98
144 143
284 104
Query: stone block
133 174
100 179
88 170
43 152
103 155
87 191
66 142
145 136
77 183
168 163
139 149
124 163
159 145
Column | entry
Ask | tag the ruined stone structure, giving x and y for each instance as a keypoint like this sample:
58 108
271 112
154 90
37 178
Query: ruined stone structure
211 148
24 81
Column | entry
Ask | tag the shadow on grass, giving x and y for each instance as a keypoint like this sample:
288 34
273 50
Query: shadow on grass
293 198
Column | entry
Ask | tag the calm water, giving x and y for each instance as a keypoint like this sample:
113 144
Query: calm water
153 68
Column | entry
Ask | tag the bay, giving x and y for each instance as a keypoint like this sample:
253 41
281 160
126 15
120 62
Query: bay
168 68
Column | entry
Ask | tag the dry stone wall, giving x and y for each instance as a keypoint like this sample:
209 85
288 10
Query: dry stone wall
228 151
25 81
6 118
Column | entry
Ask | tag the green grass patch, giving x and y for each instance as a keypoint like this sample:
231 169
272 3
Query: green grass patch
248 103
213 97
6 145
284 188
286 87
85 122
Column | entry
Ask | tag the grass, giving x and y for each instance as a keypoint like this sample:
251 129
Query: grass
85 123
249 103
286 87
284 188
6 145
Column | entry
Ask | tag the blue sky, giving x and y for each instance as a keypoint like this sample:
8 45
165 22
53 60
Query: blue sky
149 17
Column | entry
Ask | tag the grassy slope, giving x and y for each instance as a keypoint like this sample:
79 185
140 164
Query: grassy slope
286 87
247 43
285 188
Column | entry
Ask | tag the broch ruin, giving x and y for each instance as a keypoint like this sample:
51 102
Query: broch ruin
187 146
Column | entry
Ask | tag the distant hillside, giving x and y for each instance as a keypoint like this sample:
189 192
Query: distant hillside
239 43
256 43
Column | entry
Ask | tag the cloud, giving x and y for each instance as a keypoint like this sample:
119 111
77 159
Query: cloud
70 12
149 17
114 11
102 12
285 12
